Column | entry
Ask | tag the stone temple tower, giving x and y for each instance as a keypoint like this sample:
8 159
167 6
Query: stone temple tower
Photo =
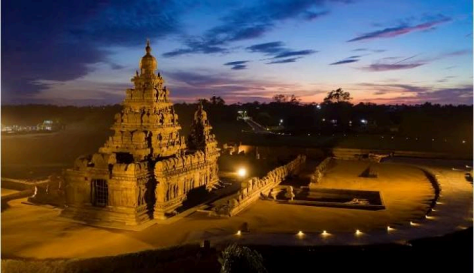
144 171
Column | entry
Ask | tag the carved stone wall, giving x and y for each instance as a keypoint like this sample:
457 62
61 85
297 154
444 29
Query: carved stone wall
253 188
320 171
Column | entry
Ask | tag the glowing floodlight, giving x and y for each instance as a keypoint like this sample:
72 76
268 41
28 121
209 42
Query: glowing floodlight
429 217
325 233
300 233
463 142
413 224
358 233
242 172
433 210
281 121
238 233
390 229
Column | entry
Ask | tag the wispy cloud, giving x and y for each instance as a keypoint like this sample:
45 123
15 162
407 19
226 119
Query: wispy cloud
351 59
347 61
251 22
369 50
290 53
277 50
387 67
401 29
186 86
385 64
413 94
237 65
284 61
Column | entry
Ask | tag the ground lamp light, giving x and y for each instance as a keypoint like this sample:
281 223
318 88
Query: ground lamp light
242 172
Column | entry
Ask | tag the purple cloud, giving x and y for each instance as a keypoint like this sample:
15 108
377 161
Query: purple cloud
388 67
400 30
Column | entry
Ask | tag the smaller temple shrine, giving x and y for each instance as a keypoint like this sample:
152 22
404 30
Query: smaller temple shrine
145 170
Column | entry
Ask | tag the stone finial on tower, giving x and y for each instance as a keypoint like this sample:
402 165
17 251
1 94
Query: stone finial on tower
148 63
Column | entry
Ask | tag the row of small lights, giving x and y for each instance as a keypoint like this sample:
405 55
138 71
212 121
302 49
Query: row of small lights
358 232
364 121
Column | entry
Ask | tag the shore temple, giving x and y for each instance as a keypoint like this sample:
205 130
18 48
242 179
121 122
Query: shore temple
145 170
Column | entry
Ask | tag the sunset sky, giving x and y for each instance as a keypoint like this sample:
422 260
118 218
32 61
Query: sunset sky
85 52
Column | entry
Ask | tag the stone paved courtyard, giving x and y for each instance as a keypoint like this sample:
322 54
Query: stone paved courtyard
38 232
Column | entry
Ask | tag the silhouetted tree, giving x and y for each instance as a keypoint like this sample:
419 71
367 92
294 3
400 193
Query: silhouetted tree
217 100
337 96
281 98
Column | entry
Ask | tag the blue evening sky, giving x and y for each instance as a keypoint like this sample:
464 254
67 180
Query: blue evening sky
85 52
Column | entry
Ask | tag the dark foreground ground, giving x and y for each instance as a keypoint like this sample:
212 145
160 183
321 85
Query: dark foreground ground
450 253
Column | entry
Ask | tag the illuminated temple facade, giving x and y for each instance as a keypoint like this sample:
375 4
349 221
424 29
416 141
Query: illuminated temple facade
145 170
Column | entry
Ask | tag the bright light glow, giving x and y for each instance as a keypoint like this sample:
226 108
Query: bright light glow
433 210
242 172
324 233
363 121
238 233
463 142
281 121
300 233
413 224
358 232
432 139
429 217
439 203
390 229
318 106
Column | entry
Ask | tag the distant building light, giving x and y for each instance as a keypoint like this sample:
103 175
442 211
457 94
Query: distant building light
323 119
281 121
318 106
358 233
463 142
363 121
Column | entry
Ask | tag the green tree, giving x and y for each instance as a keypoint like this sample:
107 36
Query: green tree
241 259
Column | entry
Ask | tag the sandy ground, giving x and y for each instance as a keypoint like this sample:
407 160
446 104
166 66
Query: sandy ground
34 231
8 191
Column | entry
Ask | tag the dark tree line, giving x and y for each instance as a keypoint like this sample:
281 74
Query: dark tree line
335 115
